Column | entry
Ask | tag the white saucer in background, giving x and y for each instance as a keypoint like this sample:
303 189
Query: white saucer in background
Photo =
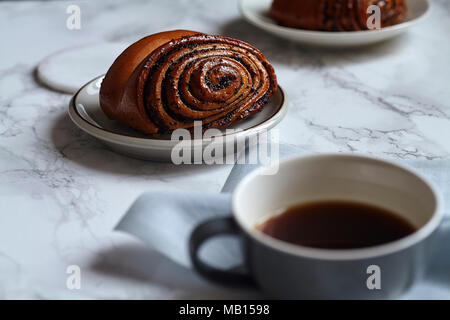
86 113
67 70
257 13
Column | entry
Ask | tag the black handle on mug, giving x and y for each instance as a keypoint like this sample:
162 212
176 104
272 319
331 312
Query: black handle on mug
202 233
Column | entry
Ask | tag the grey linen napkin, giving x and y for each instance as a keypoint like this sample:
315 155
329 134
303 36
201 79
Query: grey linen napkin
165 221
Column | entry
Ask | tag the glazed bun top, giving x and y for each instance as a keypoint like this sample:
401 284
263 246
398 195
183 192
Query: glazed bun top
117 79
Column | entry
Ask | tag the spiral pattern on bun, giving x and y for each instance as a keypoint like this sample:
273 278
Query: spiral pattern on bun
335 15
190 77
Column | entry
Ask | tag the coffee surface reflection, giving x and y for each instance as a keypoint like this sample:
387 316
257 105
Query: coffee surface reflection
337 225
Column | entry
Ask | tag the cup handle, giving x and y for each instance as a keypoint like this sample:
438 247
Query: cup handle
205 231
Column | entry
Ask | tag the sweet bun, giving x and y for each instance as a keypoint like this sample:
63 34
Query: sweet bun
335 15
169 80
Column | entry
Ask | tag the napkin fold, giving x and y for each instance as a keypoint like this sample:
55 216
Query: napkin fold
165 220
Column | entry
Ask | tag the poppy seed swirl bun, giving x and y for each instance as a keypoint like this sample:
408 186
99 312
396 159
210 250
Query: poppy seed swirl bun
335 15
168 80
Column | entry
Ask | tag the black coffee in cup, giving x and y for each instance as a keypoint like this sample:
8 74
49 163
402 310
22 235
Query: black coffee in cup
337 225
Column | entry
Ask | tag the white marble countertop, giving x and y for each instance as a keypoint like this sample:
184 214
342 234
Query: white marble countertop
62 192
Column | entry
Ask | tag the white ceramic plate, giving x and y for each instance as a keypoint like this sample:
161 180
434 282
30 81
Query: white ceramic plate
85 112
257 13
67 70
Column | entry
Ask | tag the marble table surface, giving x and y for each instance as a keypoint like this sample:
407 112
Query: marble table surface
62 192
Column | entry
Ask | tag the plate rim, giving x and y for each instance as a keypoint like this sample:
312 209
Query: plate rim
127 140
341 34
